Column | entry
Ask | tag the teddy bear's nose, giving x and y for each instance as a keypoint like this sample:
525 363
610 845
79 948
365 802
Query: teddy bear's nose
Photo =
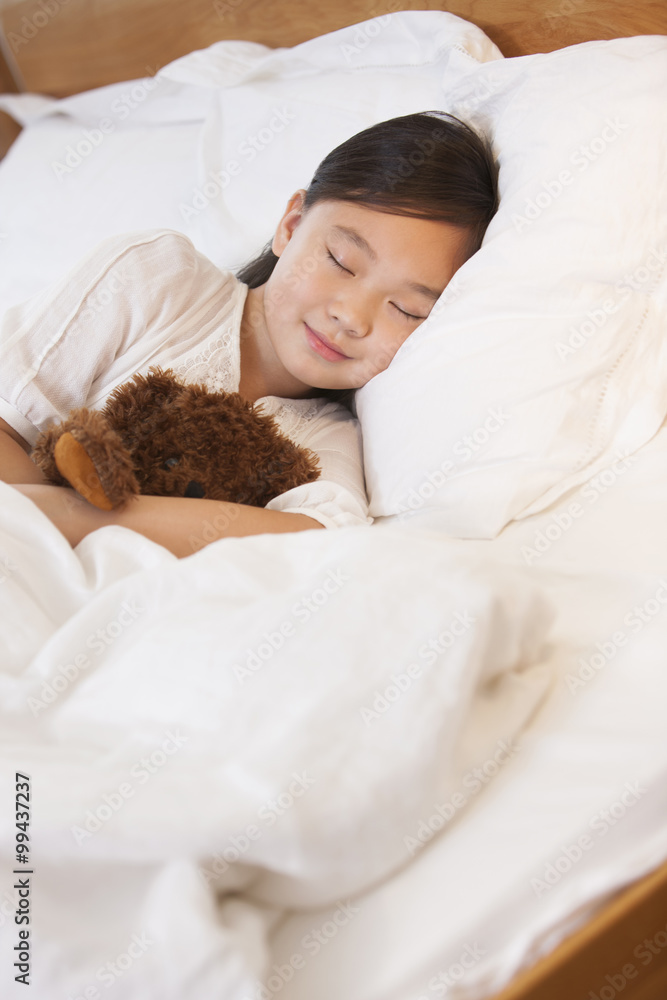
194 489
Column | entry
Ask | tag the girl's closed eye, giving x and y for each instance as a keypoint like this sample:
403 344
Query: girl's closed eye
341 267
337 262
407 314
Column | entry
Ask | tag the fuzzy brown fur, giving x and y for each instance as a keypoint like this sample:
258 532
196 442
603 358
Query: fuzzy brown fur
160 437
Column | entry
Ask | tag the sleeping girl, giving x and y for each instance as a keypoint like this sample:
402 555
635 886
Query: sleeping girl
356 263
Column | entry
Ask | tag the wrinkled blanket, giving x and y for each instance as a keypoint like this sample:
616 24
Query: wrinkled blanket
207 741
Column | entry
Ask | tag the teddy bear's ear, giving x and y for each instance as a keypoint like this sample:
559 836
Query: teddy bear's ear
160 378
129 402
86 453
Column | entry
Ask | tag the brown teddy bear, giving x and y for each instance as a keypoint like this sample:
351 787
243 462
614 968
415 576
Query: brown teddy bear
160 437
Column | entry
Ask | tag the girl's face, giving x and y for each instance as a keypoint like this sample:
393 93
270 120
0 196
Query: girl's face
350 285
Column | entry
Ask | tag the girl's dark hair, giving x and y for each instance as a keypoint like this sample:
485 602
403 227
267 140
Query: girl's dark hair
427 165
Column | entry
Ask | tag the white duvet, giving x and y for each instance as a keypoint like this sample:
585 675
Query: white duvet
211 740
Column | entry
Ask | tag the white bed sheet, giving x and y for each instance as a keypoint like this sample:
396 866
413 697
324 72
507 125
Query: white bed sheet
470 893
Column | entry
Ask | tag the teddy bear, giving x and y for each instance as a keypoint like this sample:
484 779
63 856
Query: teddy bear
159 436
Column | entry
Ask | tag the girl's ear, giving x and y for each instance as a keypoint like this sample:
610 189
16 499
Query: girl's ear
289 221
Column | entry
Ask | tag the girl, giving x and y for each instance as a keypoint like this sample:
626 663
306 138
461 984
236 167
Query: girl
356 264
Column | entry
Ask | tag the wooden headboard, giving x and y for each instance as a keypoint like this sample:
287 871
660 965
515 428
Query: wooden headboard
61 47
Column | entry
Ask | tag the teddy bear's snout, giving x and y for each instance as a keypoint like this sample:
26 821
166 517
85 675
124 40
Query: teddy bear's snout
194 489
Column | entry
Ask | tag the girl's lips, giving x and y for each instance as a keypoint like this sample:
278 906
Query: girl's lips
322 346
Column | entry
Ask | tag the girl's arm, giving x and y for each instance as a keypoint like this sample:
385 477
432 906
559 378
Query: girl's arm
181 524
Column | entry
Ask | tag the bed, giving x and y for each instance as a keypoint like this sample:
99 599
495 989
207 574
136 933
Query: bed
348 821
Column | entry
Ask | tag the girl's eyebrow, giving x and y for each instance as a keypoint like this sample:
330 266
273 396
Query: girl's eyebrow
424 290
354 237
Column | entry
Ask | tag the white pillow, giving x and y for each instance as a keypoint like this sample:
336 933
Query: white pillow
546 357
155 152
277 113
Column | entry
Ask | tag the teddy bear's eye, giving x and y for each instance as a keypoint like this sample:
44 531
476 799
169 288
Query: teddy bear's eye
170 463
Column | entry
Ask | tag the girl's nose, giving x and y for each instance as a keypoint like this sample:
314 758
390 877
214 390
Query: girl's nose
354 314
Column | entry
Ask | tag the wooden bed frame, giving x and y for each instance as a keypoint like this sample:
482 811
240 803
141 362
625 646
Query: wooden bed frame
61 47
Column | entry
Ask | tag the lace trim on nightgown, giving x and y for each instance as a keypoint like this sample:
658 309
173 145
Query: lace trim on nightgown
217 367
290 413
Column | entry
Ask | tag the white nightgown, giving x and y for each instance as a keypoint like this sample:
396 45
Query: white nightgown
150 298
